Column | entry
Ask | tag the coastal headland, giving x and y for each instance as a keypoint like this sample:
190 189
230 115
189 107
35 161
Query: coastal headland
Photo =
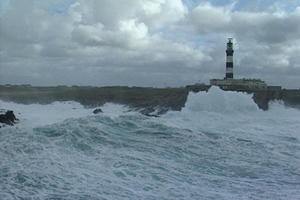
145 99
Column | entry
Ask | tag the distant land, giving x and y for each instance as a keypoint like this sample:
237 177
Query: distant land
144 99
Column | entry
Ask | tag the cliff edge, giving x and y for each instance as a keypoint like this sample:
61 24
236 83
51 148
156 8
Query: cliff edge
146 100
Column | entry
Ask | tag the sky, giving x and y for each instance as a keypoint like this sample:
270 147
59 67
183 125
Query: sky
148 43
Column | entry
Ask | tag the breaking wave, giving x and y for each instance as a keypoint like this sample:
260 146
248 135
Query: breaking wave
220 146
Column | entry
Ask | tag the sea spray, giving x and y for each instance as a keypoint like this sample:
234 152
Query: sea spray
216 100
220 146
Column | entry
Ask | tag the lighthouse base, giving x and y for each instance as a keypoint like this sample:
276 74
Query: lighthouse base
239 84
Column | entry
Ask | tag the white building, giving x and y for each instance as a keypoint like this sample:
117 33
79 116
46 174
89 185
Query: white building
253 84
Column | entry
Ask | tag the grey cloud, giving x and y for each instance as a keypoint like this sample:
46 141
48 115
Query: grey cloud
205 18
23 23
266 28
270 28
266 43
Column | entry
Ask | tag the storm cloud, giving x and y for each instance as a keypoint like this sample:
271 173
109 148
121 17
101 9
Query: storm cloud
147 43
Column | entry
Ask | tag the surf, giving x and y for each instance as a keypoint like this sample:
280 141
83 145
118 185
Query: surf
219 146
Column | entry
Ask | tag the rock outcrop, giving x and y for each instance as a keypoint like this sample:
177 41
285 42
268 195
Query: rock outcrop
8 118
98 110
149 101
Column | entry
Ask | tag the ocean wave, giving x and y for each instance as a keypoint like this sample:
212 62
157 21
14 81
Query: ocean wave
209 150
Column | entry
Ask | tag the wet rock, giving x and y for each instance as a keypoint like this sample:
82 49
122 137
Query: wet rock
8 118
98 110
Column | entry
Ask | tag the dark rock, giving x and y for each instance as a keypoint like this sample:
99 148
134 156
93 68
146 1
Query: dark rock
152 115
98 110
148 101
154 112
147 111
8 118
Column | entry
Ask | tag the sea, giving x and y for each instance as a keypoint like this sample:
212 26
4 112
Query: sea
219 146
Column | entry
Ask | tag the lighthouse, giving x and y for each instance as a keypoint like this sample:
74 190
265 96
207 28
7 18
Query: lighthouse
229 83
229 59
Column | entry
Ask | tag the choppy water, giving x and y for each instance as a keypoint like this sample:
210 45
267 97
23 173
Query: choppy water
220 146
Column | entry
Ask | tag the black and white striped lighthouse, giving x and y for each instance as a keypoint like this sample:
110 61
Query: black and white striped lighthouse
229 59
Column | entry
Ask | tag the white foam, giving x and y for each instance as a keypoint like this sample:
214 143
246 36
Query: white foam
218 110
227 155
39 115
34 115
217 100
115 110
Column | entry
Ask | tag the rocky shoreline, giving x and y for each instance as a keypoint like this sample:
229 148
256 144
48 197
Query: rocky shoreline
148 101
